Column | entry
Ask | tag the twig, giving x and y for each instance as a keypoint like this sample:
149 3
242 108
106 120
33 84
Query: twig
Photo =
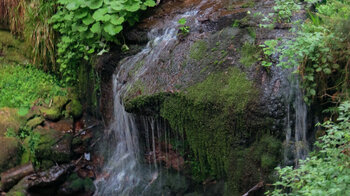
80 131
256 187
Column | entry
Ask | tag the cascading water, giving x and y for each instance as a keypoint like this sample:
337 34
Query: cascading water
124 173
296 144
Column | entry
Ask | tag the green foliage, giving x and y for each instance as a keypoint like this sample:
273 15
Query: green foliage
40 34
326 171
20 86
183 27
86 27
30 141
320 50
284 9
250 53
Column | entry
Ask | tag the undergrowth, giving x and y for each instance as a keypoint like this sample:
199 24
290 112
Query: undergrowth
20 86
327 170
320 51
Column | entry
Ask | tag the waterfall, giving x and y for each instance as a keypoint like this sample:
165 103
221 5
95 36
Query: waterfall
296 144
124 173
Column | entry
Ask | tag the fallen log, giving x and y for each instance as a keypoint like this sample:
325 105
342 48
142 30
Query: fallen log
12 176
256 187
41 179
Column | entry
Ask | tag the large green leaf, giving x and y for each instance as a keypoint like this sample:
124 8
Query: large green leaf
132 8
81 13
100 14
150 3
88 20
72 6
112 29
94 4
117 20
82 28
96 28
117 6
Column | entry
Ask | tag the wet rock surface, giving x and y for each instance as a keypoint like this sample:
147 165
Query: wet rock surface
223 35
9 153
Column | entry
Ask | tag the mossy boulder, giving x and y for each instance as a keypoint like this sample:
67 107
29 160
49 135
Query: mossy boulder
13 50
10 119
34 122
53 145
75 184
53 114
9 152
74 109
60 102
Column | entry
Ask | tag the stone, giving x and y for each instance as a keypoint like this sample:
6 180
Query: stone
9 152
53 114
74 109
9 119
32 123
54 145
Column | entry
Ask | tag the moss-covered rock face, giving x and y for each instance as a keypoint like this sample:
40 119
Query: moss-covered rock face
255 163
74 109
9 153
76 185
53 146
34 122
12 50
53 114
10 119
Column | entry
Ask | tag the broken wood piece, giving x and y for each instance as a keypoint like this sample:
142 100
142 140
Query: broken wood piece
12 176
256 187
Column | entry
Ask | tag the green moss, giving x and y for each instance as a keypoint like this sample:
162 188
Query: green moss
74 109
10 119
146 105
79 184
136 89
204 115
13 50
52 114
252 32
230 88
53 146
32 123
198 50
137 66
250 54
248 4
9 153
249 165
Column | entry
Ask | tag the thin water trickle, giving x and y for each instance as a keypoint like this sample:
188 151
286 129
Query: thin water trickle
296 144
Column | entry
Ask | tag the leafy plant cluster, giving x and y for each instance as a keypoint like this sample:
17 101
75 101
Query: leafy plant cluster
320 51
87 25
326 171
184 29
20 86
